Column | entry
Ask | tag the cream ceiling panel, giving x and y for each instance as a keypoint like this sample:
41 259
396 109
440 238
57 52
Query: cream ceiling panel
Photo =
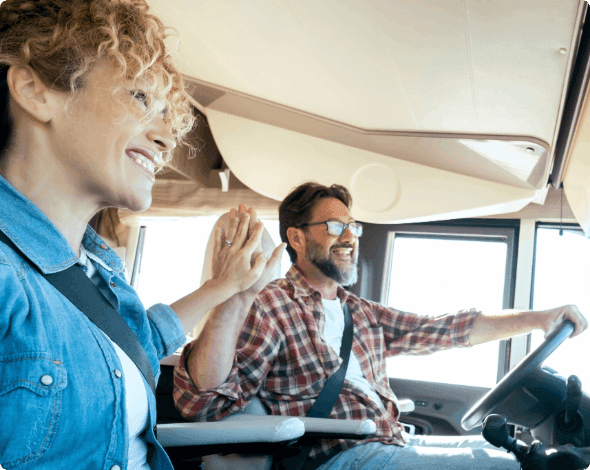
491 67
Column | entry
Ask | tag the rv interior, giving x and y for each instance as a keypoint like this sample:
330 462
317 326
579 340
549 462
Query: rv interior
462 130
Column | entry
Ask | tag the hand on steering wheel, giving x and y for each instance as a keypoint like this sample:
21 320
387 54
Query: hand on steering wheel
555 316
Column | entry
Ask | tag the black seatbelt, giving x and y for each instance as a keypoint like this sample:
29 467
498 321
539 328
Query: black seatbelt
327 397
75 286
329 394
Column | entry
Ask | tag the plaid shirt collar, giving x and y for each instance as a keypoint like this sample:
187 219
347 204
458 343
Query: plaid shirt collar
302 288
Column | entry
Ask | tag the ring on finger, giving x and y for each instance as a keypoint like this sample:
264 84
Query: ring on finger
227 243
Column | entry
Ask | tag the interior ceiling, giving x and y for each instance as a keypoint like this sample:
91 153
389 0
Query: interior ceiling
424 109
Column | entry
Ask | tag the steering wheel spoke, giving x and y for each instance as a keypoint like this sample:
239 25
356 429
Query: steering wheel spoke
525 377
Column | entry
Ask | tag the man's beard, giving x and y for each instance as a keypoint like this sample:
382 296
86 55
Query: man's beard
343 275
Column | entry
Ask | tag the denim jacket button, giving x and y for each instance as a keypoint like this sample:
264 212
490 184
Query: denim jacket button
112 284
105 247
47 380
118 373
115 467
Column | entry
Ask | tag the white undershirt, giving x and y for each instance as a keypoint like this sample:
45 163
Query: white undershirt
136 399
333 332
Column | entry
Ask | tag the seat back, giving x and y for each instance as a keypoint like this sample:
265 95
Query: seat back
166 411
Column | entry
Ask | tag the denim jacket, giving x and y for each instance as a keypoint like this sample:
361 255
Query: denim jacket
62 403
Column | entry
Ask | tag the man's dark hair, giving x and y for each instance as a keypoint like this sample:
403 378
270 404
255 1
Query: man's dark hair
297 207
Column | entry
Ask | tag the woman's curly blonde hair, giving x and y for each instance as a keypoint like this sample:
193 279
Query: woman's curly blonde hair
61 40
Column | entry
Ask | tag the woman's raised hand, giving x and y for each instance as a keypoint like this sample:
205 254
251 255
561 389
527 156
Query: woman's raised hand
238 261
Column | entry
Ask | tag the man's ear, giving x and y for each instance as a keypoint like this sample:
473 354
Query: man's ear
296 240
31 94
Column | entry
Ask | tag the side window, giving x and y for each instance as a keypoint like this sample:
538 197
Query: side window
172 258
433 271
562 276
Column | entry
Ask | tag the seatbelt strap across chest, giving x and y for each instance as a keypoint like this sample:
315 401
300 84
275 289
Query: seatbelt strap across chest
329 394
327 397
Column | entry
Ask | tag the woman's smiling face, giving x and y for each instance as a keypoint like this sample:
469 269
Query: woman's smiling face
107 143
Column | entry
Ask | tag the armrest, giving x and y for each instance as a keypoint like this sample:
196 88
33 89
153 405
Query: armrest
236 429
339 428
406 405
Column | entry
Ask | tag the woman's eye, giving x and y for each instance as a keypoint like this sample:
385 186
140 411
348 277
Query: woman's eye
141 96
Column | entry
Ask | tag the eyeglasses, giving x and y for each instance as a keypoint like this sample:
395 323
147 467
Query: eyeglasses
336 228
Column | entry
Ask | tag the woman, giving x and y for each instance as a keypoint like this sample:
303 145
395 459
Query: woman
92 108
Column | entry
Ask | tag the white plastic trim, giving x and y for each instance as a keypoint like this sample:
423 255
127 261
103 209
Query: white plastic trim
335 426
250 429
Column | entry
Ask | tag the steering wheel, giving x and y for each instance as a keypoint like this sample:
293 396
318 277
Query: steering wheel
516 377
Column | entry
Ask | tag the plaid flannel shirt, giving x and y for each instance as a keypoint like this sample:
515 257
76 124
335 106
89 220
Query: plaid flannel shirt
282 358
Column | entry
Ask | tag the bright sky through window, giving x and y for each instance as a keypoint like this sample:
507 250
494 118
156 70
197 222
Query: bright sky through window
562 276
173 256
438 276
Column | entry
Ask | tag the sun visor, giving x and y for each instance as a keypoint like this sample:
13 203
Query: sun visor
386 187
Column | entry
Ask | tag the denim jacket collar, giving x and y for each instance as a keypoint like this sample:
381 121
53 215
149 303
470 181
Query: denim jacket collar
36 236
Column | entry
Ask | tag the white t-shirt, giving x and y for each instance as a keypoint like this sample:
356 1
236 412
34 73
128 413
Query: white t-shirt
333 332
136 399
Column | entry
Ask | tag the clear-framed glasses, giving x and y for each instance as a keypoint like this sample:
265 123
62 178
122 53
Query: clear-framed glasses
336 228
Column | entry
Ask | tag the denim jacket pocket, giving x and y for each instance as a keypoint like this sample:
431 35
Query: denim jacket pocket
31 386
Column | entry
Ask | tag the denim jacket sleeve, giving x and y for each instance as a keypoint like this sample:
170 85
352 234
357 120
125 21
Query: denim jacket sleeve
167 333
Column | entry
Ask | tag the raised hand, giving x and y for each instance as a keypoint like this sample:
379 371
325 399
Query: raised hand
270 270
239 264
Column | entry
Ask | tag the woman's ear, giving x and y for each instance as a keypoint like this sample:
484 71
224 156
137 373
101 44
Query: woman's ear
31 94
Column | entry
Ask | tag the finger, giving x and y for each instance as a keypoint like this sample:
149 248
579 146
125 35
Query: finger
243 208
579 321
217 244
274 262
260 262
277 255
218 239
253 220
254 240
254 273
242 232
233 224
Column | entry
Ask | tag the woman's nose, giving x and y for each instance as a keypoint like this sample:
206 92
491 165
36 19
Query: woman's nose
159 134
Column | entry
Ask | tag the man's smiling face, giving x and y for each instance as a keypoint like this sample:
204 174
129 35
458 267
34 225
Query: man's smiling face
335 257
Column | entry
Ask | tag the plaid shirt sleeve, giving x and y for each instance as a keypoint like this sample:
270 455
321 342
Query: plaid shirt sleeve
257 347
409 333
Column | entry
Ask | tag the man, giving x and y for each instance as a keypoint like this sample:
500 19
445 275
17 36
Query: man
287 346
